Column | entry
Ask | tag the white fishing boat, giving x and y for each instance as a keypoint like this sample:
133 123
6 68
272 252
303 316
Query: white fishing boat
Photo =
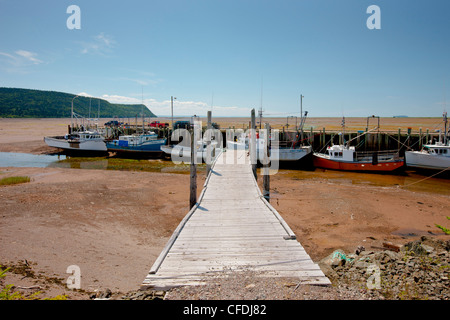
284 154
180 153
434 156
78 141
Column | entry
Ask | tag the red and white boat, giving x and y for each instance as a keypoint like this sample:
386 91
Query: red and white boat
340 157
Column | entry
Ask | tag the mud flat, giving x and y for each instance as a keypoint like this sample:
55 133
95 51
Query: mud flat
113 223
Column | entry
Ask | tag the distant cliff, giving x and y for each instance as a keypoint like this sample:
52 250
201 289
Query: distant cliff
26 103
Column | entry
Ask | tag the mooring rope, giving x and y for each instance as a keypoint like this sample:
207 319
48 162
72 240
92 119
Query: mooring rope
405 186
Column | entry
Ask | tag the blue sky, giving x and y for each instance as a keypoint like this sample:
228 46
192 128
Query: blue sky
235 55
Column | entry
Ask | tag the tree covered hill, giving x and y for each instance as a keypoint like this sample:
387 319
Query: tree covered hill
28 103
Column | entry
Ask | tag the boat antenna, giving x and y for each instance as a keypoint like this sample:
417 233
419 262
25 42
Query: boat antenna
445 127
445 119
261 108
143 125
212 100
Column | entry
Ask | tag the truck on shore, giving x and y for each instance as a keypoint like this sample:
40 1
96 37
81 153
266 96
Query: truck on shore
158 124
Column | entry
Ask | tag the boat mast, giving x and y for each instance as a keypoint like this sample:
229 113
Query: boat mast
301 117
143 125
445 128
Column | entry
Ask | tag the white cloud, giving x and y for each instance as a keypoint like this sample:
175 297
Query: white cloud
101 44
18 61
180 108
29 56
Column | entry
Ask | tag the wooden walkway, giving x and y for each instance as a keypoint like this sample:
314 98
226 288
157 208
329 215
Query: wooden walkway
232 227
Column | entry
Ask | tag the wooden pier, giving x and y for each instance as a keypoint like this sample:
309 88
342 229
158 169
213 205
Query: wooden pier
231 228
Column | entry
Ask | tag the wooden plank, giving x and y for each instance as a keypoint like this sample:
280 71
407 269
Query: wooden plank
231 227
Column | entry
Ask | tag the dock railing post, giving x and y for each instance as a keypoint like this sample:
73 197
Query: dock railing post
266 166
193 166
208 144
253 143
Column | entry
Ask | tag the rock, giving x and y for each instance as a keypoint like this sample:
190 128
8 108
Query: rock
417 248
104 294
359 250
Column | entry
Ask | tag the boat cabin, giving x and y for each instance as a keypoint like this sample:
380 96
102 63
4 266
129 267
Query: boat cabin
340 153
83 136
438 150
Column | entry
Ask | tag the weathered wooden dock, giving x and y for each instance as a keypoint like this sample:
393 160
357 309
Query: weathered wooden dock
231 228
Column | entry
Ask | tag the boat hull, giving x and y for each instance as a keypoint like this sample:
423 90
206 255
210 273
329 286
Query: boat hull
61 143
153 146
422 160
282 154
181 154
385 166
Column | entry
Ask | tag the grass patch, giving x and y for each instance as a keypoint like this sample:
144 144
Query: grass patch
14 180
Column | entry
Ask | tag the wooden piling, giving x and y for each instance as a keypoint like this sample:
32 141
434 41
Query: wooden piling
420 138
208 144
193 170
253 158
266 176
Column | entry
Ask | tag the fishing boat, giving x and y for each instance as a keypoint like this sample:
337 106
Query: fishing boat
91 141
434 156
180 153
281 153
148 143
342 157
345 157
285 151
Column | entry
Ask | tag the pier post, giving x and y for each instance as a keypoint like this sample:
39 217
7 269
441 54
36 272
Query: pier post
208 144
324 139
253 158
420 138
193 168
266 176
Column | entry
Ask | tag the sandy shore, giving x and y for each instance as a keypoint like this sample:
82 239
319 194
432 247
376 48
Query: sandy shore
114 224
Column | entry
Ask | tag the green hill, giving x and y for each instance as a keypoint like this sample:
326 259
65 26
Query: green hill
27 103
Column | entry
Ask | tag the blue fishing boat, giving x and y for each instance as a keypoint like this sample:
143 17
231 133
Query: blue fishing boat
144 143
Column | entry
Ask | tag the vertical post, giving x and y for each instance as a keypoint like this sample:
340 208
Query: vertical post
379 141
253 143
266 176
193 169
399 138
420 138
428 136
208 144
171 109
301 117
324 138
